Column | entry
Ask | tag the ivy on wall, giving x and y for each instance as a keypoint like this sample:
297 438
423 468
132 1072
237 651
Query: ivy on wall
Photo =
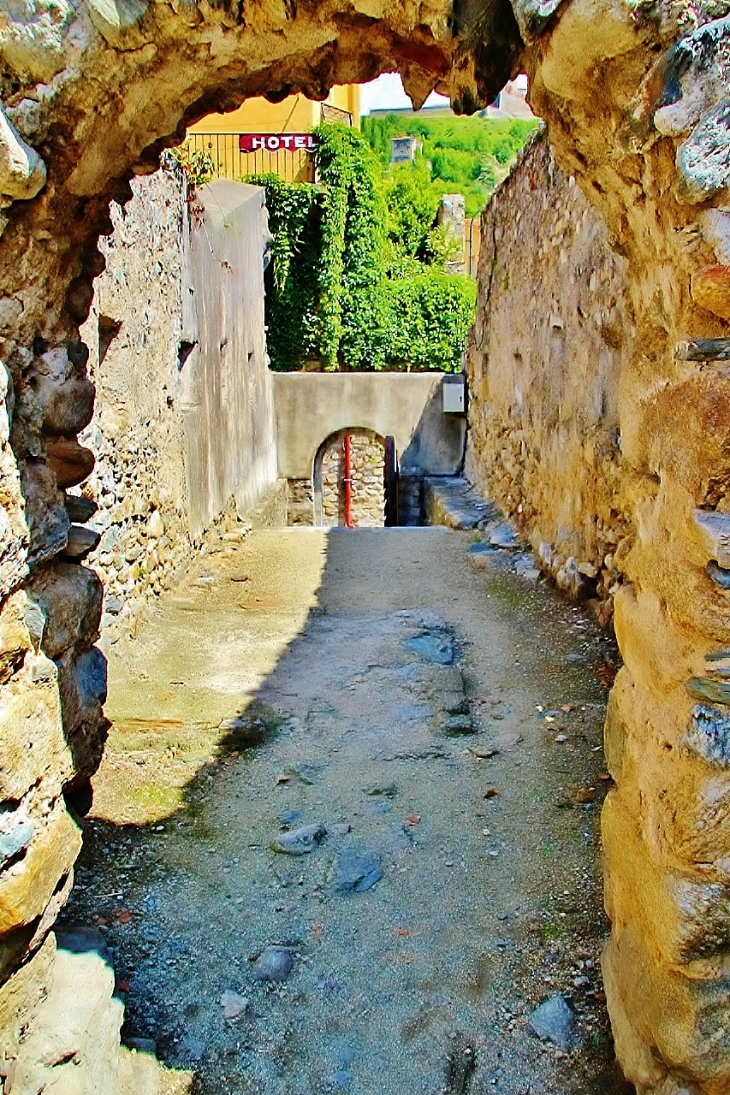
292 290
346 289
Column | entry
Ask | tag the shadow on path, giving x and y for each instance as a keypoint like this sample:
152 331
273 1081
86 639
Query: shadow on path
444 728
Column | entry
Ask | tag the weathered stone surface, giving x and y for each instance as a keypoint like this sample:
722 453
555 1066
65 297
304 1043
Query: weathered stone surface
82 687
544 367
15 637
22 171
16 833
71 1041
704 349
719 575
715 228
691 75
70 462
66 407
48 521
452 501
80 509
711 290
714 535
69 598
81 542
32 743
702 160
26 887
708 733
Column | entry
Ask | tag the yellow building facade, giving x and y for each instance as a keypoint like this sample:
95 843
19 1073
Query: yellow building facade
220 134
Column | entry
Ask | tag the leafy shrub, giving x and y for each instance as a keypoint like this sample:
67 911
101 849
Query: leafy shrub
429 317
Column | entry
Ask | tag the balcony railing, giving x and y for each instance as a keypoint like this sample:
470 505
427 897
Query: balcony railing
230 163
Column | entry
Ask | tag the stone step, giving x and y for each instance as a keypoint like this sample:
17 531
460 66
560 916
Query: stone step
452 501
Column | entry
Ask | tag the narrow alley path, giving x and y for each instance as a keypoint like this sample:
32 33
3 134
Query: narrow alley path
357 751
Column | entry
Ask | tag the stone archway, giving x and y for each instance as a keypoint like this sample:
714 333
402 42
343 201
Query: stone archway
635 100
366 462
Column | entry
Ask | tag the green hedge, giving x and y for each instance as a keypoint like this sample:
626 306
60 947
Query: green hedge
429 317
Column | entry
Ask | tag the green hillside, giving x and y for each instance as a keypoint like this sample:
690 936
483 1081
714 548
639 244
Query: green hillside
469 156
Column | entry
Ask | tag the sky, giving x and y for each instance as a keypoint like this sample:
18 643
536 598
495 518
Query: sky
387 93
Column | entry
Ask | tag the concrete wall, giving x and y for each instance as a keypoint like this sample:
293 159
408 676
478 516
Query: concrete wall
310 407
226 396
552 334
183 424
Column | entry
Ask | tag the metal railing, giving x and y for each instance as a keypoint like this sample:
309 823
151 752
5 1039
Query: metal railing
231 163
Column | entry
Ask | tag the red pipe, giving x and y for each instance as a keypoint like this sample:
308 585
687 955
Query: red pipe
348 481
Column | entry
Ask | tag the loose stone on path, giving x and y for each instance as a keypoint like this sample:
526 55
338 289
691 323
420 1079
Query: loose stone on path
300 841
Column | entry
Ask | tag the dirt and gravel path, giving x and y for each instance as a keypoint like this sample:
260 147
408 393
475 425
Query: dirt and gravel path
352 762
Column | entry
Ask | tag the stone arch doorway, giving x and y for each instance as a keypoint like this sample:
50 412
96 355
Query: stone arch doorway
635 101
349 480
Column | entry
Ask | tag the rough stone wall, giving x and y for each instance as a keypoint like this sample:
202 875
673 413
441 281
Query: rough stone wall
136 358
635 99
553 332
367 466
300 502
166 467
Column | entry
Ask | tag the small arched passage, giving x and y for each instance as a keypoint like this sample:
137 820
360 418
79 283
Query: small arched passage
350 481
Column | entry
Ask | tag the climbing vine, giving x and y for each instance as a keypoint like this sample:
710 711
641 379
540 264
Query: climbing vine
292 293
344 289
352 259
198 163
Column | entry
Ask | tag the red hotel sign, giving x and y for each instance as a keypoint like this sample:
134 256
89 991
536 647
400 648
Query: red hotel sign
275 142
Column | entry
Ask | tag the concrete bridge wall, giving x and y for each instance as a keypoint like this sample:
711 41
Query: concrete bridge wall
310 407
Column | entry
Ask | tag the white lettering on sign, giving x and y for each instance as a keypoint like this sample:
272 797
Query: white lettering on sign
275 142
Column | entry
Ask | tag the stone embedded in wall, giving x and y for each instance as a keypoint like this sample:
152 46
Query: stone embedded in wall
711 290
708 734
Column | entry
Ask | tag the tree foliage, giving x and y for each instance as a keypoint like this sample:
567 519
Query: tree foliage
470 156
